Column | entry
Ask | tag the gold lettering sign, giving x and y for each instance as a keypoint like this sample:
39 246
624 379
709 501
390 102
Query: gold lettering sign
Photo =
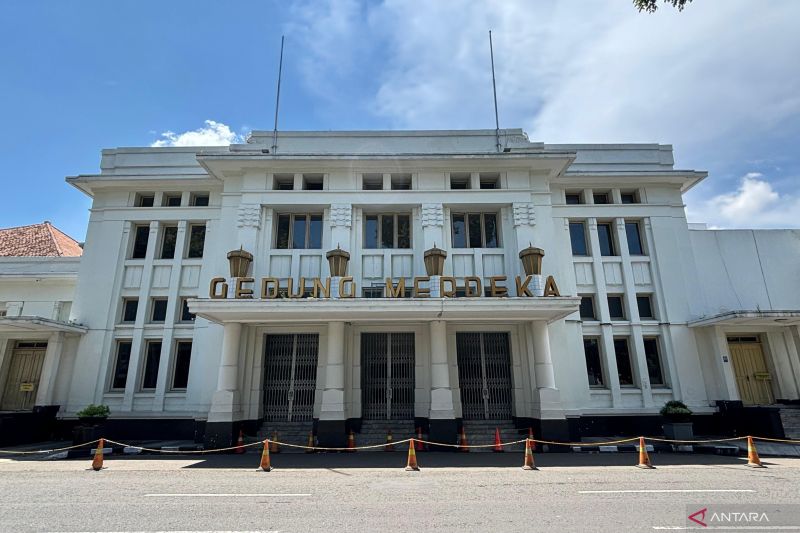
447 293
550 287
214 289
421 292
469 290
318 290
343 282
241 291
269 288
522 288
497 290
397 291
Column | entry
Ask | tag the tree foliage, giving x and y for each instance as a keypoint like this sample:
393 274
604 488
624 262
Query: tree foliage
652 5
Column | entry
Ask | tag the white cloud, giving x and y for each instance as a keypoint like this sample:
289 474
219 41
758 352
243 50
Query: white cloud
212 134
755 204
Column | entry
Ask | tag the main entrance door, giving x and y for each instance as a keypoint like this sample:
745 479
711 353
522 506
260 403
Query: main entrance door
22 382
290 376
484 375
387 376
752 376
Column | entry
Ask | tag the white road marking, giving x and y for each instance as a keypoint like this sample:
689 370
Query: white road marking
216 495
186 531
660 490
729 528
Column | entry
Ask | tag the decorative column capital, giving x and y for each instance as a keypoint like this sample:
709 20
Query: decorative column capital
341 215
432 215
524 214
249 216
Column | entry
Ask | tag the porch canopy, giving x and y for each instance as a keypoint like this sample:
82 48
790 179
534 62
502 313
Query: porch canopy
37 324
749 318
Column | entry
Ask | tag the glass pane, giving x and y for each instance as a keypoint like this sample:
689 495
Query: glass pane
197 241
315 232
587 307
573 199
183 354
653 361
371 232
129 312
474 231
594 370
403 231
601 198
201 200
645 309
151 365
606 240
387 231
623 362
298 231
576 235
168 245
140 242
121 368
634 239
282 237
159 310
459 232
186 316
490 230
615 307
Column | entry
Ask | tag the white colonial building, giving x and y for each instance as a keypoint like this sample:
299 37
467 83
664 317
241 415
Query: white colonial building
337 281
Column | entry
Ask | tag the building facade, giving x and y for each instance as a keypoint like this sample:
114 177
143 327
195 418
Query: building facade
338 281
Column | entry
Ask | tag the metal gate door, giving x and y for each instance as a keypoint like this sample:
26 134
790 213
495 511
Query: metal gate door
484 375
387 376
290 376
23 379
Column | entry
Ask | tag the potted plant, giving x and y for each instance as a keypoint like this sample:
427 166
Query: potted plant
677 424
90 423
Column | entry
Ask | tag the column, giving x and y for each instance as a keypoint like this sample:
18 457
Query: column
47 377
547 399
442 422
225 404
331 425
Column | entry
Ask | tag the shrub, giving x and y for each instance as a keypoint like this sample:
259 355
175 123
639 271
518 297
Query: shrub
675 410
94 411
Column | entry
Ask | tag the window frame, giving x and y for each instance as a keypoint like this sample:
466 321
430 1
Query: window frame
174 365
655 339
638 225
290 236
482 214
401 182
649 298
603 194
395 233
621 298
197 195
143 198
153 301
611 240
634 195
115 366
487 178
627 341
163 239
280 182
190 231
146 361
125 301
593 317
578 194
459 178
145 231
600 362
185 305
371 182
313 182
169 198
586 246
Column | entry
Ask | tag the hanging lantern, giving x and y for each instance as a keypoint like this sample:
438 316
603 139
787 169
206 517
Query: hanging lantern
434 261
532 260
337 261
239 261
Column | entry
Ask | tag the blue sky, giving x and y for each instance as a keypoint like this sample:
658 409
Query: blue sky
719 81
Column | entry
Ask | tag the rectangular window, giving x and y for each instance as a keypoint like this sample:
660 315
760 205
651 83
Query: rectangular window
145 199
573 198
600 197
372 182
490 181
475 230
312 182
401 182
299 232
623 357
141 234
183 356
605 235
594 367
129 308
171 200
283 182
372 292
120 376
151 361
629 197
616 308
200 199
587 308
645 305
653 359
186 316
168 239
460 181
634 238
387 231
197 241
577 235
158 310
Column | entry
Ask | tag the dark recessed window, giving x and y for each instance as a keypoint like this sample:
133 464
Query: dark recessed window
475 230
629 198
645 305
387 231
372 292
284 182
168 239
577 235
573 198
372 182
651 355
489 181
600 198
145 200
200 200
121 365
183 356
615 308
587 308
129 308
186 316
171 200
141 234
151 362
159 310
594 367
401 182
312 182
460 181
299 232
606 238
623 357
197 241
634 238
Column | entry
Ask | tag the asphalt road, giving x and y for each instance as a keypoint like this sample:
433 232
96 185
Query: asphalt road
368 493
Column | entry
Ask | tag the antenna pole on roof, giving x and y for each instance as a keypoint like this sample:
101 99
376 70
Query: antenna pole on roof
277 102
494 90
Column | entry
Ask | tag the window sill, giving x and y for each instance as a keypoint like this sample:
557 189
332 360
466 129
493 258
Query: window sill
629 389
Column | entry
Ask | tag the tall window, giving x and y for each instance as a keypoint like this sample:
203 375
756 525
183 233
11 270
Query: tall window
653 358
577 235
121 365
141 234
645 305
151 361
168 239
616 309
475 230
299 232
634 238
197 240
158 312
587 308
186 315
605 235
129 308
594 368
387 231
623 356
183 355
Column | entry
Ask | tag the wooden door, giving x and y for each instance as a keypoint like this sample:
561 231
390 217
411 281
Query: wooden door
23 379
752 376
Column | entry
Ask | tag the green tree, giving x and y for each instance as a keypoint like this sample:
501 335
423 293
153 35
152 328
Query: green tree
652 5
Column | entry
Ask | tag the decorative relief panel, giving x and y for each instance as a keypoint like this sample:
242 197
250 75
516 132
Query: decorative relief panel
432 215
524 214
341 215
249 216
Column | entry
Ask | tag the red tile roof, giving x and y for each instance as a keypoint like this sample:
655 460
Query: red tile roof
37 240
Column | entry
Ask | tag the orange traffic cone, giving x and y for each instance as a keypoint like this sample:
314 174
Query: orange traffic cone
644 459
418 441
389 442
412 465
265 464
351 442
240 443
97 461
310 444
498 447
752 455
533 442
528 464
274 447
463 441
